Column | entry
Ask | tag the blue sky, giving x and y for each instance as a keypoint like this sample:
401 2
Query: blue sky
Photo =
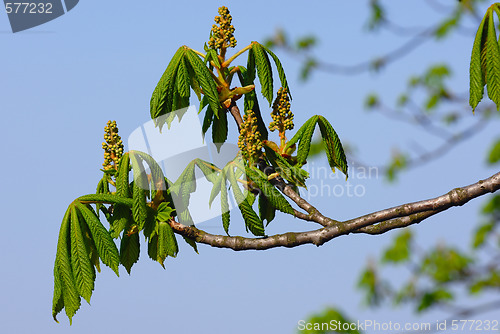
61 82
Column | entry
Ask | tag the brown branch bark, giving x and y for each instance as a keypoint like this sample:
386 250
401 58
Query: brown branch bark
373 223
235 112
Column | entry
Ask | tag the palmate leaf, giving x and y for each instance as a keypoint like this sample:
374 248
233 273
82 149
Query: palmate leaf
140 189
281 71
166 243
191 242
120 220
219 130
106 198
83 271
122 178
182 79
293 174
252 220
207 120
129 251
153 249
264 71
266 210
304 134
211 55
250 100
208 169
106 248
92 249
217 187
102 188
179 105
164 212
333 146
249 73
57 299
195 84
224 204
185 184
168 234
205 79
161 100
477 77
276 199
65 291
492 63
139 209
157 177
485 61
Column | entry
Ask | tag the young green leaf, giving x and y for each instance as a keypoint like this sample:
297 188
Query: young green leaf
57 299
266 210
182 79
106 198
252 220
249 73
83 270
191 243
281 71
120 220
208 169
167 244
492 63
333 146
172 246
216 187
293 174
276 199
139 209
122 179
129 251
161 100
157 177
205 79
219 130
106 248
212 56
164 212
250 100
153 249
264 71
185 184
207 120
195 84
64 283
224 204
304 136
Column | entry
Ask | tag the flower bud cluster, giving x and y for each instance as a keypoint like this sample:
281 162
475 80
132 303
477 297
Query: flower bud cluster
222 36
112 146
250 141
281 114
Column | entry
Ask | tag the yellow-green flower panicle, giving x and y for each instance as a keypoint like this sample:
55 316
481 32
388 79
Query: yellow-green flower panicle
250 140
221 35
112 146
281 114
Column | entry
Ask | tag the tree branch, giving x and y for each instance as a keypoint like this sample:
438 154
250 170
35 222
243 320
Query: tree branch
388 219
235 111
